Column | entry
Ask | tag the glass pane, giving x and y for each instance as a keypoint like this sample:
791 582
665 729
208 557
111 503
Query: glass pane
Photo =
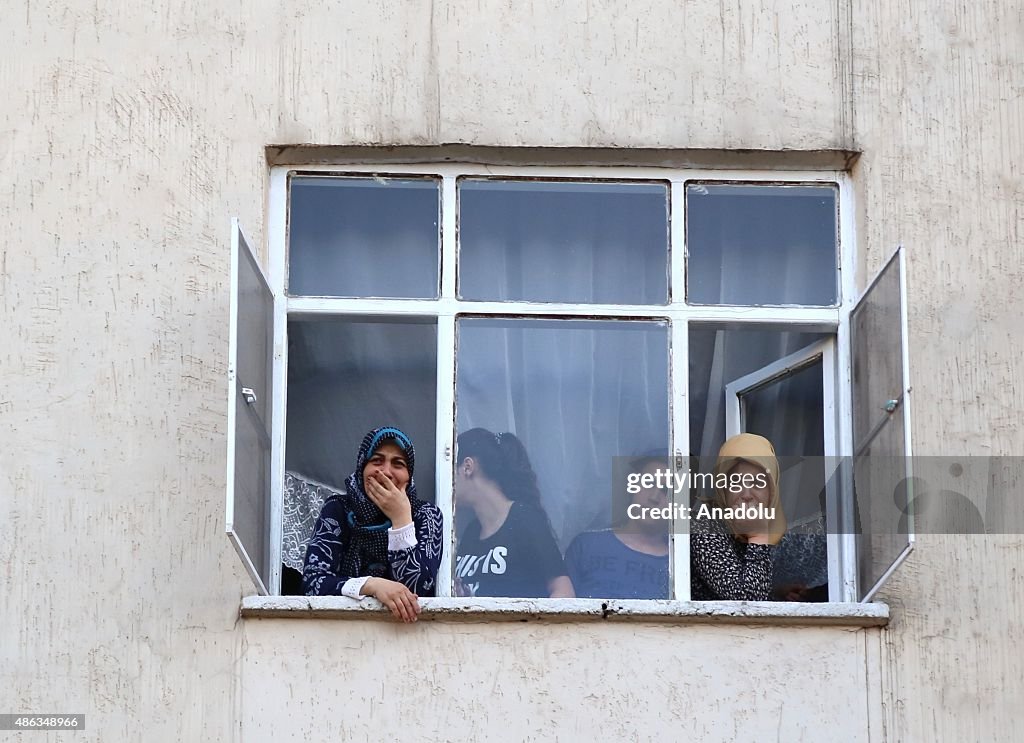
880 464
574 394
549 241
761 245
347 376
719 355
790 413
364 237
797 398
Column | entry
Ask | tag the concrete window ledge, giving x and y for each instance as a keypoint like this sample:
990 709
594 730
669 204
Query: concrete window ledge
576 610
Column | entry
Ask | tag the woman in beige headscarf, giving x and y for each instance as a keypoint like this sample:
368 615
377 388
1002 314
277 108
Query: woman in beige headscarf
732 540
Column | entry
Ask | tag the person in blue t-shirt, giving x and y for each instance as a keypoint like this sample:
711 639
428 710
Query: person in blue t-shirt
629 561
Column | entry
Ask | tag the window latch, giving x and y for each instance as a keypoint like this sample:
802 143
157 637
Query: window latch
249 395
891 405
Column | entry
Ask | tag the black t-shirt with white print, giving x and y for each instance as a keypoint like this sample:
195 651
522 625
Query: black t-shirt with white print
518 560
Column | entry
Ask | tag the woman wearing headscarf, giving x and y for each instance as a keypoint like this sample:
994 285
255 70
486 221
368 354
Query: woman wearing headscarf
730 548
377 539
508 549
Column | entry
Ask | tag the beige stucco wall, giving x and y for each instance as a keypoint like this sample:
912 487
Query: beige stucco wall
131 133
940 120
313 679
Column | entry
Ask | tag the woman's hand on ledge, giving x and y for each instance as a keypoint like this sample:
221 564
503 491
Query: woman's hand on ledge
400 601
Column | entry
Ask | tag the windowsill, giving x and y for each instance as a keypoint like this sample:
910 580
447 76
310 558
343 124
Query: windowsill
577 610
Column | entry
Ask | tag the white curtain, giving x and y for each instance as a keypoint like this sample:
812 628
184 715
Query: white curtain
577 393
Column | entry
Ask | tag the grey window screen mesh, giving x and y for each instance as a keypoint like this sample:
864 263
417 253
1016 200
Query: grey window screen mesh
249 375
881 462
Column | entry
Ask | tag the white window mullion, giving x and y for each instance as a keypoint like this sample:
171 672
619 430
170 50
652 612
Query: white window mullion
677 242
847 242
833 504
277 226
278 413
810 319
845 528
680 399
449 222
446 380
846 538
446 445
680 390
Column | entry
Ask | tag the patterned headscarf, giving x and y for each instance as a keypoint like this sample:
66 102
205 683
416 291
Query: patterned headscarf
367 551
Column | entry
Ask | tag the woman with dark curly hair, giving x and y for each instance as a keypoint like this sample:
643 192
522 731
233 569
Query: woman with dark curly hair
509 548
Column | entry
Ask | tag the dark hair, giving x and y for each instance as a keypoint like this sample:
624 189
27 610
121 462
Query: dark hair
503 458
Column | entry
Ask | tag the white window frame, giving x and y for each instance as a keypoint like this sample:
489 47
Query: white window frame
832 320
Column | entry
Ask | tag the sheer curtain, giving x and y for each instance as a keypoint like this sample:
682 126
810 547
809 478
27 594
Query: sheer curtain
563 242
363 237
753 245
577 393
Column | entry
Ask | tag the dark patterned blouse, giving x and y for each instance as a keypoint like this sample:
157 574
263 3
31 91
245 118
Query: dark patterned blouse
722 568
415 567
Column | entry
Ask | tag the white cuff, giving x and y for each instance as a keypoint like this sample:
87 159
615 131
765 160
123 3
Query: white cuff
353 586
402 539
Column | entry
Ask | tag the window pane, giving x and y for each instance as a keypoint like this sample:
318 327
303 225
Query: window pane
364 237
797 399
761 245
719 355
346 377
575 394
549 241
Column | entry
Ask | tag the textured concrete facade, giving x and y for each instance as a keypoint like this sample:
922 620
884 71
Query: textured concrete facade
132 134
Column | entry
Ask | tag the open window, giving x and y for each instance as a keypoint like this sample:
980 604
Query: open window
882 483
597 313
249 404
